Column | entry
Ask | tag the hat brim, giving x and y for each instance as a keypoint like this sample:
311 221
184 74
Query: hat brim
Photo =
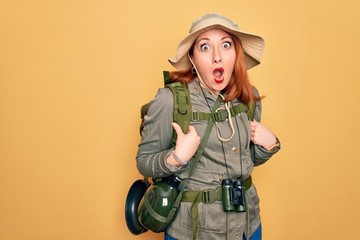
253 47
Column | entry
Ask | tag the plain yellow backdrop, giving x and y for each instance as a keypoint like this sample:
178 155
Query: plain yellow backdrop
73 75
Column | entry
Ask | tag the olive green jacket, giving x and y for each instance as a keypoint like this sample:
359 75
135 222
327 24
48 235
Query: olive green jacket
219 160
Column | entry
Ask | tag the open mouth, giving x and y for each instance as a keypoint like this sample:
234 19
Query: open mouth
218 74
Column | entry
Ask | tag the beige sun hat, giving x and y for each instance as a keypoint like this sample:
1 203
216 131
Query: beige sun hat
252 45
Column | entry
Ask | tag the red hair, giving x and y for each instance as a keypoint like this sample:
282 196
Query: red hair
239 85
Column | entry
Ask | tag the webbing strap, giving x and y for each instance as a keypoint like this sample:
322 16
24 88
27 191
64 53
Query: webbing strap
204 140
203 196
152 211
210 196
172 212
251 112
222 114
195 217
167 79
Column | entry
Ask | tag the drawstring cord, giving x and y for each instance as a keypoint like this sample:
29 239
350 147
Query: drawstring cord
227 108
226 104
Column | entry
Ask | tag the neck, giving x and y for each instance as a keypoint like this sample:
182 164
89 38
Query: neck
203 85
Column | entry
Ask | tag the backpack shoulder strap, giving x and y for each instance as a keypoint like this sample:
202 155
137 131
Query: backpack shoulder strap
167 79
252 106
182 106
251 112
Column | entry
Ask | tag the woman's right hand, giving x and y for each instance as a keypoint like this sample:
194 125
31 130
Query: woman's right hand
186 145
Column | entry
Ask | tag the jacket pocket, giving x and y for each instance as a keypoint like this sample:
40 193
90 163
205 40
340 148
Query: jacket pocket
212 218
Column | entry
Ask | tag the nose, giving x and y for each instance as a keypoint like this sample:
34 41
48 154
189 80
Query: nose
217 56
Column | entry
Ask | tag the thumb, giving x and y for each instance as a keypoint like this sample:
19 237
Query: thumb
177 129
191 129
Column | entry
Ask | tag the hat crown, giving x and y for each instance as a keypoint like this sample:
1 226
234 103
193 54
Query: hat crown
212 20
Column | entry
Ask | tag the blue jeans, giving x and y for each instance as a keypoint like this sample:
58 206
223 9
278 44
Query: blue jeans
256 235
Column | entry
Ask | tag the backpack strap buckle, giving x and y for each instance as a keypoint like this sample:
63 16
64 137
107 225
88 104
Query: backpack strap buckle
211 196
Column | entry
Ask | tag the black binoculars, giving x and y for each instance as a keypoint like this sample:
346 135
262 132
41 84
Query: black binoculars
233 195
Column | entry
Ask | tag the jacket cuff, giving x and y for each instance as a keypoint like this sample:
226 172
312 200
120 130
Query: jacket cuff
171 168
268 153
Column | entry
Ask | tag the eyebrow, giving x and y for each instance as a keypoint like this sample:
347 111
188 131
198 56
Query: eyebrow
208 39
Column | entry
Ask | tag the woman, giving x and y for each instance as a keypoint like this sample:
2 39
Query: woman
213 60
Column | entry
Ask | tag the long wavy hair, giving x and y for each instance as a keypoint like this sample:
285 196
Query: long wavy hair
239 86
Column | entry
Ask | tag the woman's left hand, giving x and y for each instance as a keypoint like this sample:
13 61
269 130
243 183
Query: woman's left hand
261 135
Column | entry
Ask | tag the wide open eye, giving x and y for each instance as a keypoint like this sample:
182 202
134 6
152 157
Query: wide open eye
204 47
227 45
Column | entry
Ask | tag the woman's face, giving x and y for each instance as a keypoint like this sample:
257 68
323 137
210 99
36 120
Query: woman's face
214 57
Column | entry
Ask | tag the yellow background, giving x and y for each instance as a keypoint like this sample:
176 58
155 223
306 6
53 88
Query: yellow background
73 75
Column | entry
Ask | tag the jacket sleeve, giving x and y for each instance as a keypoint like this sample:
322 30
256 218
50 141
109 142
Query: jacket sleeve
259 154
155 144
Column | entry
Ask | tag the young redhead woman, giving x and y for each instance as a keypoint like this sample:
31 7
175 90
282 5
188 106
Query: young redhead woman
213 60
